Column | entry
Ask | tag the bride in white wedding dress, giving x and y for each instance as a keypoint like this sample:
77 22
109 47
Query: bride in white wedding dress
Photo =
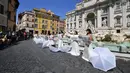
48 42
86 51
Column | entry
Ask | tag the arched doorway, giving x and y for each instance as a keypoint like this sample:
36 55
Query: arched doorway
91 18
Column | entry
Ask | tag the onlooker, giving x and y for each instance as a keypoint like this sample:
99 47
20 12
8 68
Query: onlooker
89 34
25 34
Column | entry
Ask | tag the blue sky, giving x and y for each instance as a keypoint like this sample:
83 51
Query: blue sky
59 7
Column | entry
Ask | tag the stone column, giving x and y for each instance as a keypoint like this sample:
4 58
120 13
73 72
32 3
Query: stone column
124 19
66 27
99 20
84 23
95 23
111 17
77 22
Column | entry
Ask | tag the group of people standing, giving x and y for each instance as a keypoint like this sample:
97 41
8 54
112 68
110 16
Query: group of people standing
11 37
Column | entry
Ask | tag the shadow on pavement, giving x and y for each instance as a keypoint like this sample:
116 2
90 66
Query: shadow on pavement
124 65
3 47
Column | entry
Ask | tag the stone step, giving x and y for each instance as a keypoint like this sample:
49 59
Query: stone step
122 55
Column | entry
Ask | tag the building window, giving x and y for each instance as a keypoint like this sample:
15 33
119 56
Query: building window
67 20
80 16
118 20
35 25
128 21
32 15
75 25
53 28
42 21
118 5
27 15
9 15
67 25
52 24
27 19
32 26
27 25
43 27
32 20
36 20
71 26
46 22
71 19
10 1
1 9
80 24
128 3
75 18
105 10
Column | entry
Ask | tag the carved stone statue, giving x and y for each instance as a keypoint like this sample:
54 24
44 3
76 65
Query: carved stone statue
90 24
104 22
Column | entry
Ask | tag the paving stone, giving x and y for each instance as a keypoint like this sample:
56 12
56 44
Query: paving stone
27 57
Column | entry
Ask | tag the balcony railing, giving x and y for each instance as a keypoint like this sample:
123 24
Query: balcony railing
103 14
75 19
80 19
118 25
117 11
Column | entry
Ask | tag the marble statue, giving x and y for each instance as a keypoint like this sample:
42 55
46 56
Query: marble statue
104 22
91 26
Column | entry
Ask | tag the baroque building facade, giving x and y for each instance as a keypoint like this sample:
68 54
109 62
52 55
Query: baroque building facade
61 26
26 21
38 21
45 21
102 16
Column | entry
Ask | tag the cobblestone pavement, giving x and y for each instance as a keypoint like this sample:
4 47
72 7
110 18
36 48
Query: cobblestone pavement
27 57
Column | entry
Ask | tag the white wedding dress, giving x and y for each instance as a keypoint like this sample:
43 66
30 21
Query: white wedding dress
60 47
36 39
75 51
48 42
